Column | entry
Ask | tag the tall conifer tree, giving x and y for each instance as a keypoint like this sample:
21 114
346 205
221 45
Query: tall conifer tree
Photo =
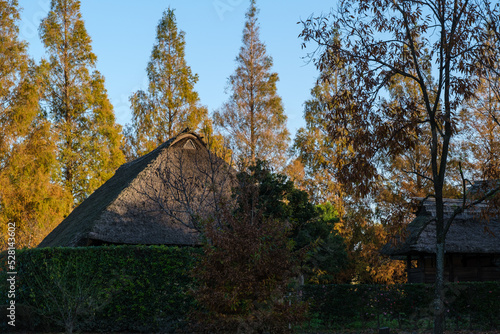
88 137
315 150
170 104
253 118
28 197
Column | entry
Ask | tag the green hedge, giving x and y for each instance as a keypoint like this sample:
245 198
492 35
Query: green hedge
468 305
112 288
145 289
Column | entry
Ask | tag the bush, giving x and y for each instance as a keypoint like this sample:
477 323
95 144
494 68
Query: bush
248 265
145 289
469 305
140 288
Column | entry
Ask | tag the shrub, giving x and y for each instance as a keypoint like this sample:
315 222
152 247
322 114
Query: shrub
146 289
472 304
248 263
141 288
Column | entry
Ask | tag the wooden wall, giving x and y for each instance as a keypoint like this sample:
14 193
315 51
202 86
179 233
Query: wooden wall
458 268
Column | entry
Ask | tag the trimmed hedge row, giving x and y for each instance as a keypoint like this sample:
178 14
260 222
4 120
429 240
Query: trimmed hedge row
146 289
468 305
112 288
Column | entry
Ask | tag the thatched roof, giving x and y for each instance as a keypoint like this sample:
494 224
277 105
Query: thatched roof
141 203
471 232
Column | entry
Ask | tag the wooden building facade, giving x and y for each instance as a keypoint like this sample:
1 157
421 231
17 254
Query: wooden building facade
472 247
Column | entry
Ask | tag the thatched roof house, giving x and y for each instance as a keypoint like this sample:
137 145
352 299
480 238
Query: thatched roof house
155 199
472 244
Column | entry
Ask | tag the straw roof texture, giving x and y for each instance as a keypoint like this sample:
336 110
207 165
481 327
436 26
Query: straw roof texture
471 232
135 206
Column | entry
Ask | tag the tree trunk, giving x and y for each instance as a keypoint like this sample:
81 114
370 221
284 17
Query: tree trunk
439 289
440 236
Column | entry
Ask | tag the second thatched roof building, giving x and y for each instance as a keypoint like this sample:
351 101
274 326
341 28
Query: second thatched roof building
472 244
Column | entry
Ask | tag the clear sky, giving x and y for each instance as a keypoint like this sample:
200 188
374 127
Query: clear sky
123 33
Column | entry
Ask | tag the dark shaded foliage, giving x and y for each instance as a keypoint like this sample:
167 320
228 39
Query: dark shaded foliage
125 288
468 305
248 264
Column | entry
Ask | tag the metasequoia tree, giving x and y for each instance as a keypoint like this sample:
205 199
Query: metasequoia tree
488 113
28 197
252 119
77 102
490 60
170 103
315 149
482 133
383 39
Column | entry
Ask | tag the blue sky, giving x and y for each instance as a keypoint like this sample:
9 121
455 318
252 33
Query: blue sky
123 33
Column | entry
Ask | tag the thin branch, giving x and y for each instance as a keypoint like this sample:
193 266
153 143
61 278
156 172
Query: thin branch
464 207
418 174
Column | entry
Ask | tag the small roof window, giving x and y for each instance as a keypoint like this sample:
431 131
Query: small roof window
189 145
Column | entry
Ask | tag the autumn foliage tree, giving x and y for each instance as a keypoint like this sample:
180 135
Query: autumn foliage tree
246 269
315 150
410 39
170 103
490 59
253 120
479 124
88 139
28 197
364 223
